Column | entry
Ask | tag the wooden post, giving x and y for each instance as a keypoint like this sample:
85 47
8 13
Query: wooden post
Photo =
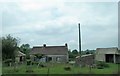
80 44
79 40
48 72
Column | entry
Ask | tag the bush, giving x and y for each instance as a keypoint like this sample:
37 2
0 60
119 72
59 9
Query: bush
34 63
29 71
16 70
7 62
67 68
27 56
101 65
28 62
41 65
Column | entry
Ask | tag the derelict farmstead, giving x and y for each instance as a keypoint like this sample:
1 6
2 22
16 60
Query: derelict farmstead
50 53
110 55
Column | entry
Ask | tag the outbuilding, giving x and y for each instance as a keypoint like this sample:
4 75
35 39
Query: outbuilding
19 56
110 55
85 60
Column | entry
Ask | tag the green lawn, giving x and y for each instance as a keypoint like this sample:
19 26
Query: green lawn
59 69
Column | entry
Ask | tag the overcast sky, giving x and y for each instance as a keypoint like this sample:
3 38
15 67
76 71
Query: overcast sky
56 23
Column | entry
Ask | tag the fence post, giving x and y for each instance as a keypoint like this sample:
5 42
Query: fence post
48 72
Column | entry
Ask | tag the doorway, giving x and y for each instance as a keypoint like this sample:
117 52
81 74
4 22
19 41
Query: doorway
109 58
49 59
21 59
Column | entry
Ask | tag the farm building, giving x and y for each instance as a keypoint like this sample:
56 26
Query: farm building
20 57
111 55
87 59
51 53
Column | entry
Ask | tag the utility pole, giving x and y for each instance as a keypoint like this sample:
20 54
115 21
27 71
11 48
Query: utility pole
80 45
79 39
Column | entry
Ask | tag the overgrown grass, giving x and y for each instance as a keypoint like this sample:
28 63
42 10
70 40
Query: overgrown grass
59 69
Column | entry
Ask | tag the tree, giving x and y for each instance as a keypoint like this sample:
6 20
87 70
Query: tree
9 45
39 56
72 54
87 51
75 52
25 48
90 51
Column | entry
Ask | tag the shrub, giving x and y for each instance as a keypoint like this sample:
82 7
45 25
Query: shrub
67 68
34 63
28 62
27 56
101 65
16 70
7 62
41 65
29 71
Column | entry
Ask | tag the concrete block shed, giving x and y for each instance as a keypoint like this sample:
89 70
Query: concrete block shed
110 55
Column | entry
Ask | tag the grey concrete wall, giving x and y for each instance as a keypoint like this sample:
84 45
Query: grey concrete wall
59 58
86 60
100 57
117 58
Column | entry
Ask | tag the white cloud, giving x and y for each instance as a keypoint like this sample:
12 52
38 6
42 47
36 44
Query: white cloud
59 0
31 40
38 5
38 21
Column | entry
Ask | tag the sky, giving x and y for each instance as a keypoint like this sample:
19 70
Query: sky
56 23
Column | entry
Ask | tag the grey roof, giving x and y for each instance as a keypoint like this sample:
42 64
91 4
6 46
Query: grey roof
113 50
18 53
84 55
50 50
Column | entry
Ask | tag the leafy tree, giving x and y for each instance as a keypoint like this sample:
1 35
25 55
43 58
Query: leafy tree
90 51
39 55
72 54
83 52
75 52
25 48
87 51
9 45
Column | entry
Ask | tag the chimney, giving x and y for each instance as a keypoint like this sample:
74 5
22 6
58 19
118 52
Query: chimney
66 44
44 45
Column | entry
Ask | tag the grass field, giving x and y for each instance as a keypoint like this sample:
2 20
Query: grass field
59 69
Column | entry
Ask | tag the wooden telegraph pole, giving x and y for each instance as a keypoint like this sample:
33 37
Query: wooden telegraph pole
79 39
80 45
